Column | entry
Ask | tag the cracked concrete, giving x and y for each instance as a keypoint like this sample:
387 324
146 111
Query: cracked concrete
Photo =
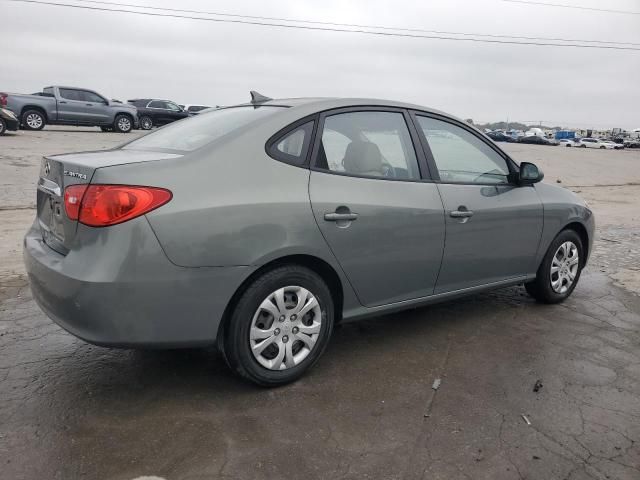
70 410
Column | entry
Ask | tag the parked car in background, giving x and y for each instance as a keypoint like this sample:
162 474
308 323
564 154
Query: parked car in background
8 121
613 145
631 143
537 140
194 109
246 227
70 106
500 137
566 142
155 113
593 143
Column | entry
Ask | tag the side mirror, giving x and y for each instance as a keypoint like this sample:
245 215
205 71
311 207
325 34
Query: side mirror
529 174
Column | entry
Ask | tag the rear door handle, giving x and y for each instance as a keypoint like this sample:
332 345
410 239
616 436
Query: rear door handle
461 213
340 217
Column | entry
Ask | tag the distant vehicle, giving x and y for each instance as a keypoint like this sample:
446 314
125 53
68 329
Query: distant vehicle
536 140
8 121
566 142
614 145
500 137
631 144
594 143
534 132
194 109
70 106
153 112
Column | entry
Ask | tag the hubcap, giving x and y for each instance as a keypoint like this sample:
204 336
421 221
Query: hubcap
124 123
285 328
146 124
564 267
34 120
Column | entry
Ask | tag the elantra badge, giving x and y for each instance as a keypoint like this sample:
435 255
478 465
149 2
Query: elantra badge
81 176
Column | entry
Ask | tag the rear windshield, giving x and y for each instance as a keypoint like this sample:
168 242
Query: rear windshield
192 133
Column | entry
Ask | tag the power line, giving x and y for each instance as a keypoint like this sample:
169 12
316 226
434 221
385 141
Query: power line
577 7
356 25
327 29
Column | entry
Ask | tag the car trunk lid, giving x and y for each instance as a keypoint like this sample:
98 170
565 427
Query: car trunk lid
60 171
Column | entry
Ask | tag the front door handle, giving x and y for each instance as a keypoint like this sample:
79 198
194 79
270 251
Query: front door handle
340 217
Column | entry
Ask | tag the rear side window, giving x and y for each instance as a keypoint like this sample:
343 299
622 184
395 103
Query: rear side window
368 144
70 94
292 147
195 132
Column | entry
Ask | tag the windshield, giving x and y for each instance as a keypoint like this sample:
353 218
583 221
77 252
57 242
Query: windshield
190 134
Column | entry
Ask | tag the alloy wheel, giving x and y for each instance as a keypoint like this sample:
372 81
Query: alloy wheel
285 328
34 121
564 267
124 124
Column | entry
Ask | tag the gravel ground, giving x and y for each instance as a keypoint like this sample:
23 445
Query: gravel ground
70 410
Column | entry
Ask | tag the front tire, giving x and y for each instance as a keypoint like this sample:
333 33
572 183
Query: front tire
280 326
123 123
146 123
560 269
33 120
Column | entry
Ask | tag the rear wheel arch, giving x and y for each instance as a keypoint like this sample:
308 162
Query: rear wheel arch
37 108
315 264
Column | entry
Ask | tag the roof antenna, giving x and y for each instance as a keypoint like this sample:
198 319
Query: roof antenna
258 98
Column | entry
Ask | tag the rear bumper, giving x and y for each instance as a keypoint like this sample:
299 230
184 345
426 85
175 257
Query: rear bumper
11 123
128 297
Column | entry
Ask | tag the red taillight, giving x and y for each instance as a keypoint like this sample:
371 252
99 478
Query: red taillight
104 205
72 197
3 99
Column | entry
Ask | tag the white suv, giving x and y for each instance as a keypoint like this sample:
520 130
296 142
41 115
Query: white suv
593 143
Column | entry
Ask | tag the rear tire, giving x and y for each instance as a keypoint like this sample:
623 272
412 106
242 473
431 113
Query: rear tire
33 120
146 123
123 123
3 126
291 345
551 283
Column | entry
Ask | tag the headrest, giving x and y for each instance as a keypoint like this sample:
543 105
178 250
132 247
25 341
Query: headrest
363 158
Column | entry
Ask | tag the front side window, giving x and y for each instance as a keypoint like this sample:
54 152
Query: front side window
157 104
460 156
370 144
198 131
173 106
92 97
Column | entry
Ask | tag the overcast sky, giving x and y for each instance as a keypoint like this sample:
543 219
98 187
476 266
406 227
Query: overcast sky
190 61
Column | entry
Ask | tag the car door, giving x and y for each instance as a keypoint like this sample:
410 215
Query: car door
157 110
493 226
375 205
96 108
175 112
71 106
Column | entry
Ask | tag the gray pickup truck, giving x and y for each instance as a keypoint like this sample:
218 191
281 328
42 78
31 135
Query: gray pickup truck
70 106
